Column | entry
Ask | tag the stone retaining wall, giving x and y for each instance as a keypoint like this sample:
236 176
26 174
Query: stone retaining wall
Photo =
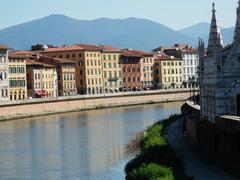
219 141
35 107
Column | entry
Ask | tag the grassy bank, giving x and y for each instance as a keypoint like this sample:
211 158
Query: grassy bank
157 159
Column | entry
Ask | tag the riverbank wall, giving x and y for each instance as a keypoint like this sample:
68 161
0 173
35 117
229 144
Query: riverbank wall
37 107
219 141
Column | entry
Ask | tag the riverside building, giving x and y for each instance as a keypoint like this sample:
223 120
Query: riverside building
219 73
4 74
131 70
66 75
190 61
41 80
111 69
146 69
168 72
17 77
88 61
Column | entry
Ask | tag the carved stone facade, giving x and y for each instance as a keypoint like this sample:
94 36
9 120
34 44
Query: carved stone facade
220 73
4 74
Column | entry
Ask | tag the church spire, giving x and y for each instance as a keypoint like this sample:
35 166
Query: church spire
237 27
215 37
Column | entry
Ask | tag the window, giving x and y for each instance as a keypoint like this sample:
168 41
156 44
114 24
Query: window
134 79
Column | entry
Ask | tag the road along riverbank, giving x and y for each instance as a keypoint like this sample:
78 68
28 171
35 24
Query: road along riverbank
38 107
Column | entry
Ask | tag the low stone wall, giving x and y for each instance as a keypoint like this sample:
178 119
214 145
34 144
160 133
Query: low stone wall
191 114
36 107
219 141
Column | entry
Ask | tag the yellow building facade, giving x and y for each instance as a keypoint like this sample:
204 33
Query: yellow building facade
112 69
88 60
41 80
168 72
147 77
17 77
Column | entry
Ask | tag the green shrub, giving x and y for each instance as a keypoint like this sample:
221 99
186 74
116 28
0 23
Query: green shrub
151 171
155 150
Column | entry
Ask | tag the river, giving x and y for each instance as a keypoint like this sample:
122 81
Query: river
89 145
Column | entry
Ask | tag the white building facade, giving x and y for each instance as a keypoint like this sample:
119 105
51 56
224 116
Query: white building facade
4 74
190 62
190 66
220 73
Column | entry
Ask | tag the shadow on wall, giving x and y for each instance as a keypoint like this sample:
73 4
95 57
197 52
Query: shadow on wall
219 141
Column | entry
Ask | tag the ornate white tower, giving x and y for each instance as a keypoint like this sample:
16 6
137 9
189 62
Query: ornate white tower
215 41
237 27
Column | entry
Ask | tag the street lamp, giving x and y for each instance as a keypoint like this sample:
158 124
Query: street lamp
191 82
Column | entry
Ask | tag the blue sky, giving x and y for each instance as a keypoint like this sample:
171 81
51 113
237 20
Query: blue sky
176 14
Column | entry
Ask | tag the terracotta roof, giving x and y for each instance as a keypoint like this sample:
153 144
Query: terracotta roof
75 47
165 57
32 63
109 48
141 52
12 55
25 53
51 60
89 47
63 48
3 46
190 50
130 53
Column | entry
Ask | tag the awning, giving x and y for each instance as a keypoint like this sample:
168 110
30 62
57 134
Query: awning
38 92
44 93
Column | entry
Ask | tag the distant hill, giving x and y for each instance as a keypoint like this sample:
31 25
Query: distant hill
59 29
202 30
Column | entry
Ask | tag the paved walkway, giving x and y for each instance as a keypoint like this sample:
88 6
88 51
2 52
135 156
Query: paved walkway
196 166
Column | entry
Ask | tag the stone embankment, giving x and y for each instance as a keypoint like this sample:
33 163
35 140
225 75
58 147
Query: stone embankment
219 141
36 107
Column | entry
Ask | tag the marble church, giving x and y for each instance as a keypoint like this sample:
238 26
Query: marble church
219 71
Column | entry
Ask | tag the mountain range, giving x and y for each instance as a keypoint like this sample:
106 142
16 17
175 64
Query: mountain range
136 33
201 30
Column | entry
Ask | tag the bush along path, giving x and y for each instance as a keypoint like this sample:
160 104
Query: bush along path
157 159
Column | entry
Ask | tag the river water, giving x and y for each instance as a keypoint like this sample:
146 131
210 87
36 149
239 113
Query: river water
89 145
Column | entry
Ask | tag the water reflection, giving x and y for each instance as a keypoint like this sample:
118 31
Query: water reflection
83 145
